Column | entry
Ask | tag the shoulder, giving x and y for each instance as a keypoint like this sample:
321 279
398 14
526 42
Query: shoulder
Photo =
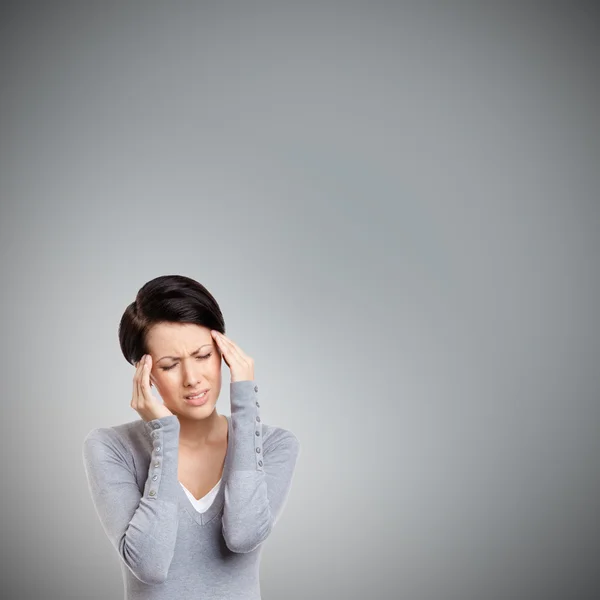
276 437
121 440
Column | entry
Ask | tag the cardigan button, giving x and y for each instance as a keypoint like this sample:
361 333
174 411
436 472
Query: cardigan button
256 388
152 492
258 450
260 463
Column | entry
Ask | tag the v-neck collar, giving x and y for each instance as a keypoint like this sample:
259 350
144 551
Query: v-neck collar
202 518
199 500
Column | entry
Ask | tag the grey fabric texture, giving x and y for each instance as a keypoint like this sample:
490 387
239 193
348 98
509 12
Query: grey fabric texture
167 549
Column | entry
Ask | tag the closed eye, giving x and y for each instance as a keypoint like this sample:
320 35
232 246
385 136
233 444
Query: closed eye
198 357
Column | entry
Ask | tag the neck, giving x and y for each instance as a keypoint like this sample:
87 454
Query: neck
195 434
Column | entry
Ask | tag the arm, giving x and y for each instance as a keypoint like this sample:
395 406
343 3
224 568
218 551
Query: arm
261 474
141 527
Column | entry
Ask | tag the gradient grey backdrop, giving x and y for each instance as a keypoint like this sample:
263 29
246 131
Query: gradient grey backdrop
397 206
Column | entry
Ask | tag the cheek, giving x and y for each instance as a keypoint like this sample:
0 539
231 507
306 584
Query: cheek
164 379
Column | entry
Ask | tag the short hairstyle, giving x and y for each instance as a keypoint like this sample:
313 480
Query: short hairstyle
168 298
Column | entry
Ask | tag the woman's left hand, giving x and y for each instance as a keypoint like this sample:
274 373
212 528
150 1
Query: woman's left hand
240 364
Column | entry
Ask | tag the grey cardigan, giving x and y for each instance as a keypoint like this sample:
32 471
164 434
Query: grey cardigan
167 549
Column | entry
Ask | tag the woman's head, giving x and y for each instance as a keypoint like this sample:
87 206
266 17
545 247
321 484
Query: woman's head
171 319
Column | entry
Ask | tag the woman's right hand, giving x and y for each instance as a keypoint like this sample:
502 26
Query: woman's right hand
143 401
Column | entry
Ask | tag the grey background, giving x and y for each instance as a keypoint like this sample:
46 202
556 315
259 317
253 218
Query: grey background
397 207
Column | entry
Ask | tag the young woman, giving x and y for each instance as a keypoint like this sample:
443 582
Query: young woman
187 496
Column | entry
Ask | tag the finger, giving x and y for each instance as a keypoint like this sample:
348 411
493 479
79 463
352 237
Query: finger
145 380
235 358
237 353
232 356
139 390
140 374
136 391
225 342
140 363
225 354
227 348
138 368
232 359
218 337
147 383
138 398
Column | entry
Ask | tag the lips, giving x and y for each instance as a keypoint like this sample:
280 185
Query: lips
197 393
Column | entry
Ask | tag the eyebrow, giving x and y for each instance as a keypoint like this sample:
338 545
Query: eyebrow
192 354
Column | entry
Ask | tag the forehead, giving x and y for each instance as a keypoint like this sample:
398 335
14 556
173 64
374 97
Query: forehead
174 338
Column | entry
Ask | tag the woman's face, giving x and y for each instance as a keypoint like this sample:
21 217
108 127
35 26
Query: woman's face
185 359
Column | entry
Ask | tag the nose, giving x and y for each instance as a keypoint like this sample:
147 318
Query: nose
190 375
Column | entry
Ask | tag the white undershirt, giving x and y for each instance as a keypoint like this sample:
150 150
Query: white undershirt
203 503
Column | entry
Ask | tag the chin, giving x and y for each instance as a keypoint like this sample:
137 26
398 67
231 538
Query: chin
203 410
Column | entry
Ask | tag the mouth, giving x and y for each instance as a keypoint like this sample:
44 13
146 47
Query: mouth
198 395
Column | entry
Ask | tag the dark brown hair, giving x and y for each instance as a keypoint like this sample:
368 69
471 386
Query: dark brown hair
168 298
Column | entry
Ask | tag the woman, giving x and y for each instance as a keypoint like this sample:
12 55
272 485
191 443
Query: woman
187 496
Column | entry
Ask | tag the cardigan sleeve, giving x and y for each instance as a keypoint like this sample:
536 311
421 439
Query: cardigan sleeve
141 526
261 473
